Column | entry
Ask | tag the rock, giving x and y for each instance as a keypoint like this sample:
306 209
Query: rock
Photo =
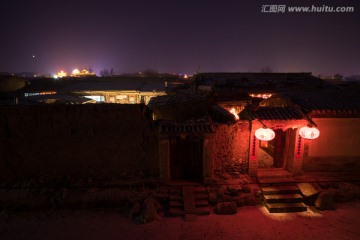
226 208
323 185
233 192
346 192
212 198
154 202
310 192
246 189
239 201
136 210
325 201
149 212
258 193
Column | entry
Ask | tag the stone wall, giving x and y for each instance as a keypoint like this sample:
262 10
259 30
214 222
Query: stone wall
231 151
70 143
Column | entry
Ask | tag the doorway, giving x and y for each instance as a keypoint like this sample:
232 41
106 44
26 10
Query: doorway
272 153
186 157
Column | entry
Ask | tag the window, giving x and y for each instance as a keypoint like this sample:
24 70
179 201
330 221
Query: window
121 97
132 100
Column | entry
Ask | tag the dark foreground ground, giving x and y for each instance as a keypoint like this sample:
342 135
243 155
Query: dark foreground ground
248 223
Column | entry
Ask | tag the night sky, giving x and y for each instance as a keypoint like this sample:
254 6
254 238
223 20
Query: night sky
177 36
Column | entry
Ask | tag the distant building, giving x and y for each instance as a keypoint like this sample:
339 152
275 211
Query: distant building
122 90
82 73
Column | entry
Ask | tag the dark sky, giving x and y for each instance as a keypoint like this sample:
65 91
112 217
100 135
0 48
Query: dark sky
177 36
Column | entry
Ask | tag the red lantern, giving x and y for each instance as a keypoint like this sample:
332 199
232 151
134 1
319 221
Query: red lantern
264 134
309 132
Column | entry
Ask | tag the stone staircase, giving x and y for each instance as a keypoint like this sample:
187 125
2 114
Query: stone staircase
280 192
188 202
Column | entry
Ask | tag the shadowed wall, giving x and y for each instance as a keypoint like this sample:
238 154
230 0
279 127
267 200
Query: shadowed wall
55 143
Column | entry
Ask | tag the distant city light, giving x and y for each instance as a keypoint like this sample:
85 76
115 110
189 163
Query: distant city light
261 95
83 73
60 74
75 71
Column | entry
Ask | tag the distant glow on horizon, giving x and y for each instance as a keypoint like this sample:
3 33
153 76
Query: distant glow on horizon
60 74
75 71
83 73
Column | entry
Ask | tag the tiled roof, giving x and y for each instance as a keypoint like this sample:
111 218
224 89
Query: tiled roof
60 98
175 99
337 101
186 128
110 85
99 84
262 82
275 113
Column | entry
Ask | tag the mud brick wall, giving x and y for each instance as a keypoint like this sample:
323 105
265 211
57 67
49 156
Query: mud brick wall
336 149
57 143
231 152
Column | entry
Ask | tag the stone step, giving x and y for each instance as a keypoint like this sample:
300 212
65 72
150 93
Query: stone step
283 198
273 174
201 203
176 212
176 191
202 211
285 207
190 217
175 198
276 181
201 196
175 204
289 189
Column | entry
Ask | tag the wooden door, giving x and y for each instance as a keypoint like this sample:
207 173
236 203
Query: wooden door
186 156
279 148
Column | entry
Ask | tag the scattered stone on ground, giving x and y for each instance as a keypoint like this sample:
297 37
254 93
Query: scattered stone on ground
310 192
325 201
226 208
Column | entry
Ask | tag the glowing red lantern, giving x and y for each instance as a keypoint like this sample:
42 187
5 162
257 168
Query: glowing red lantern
309 132
264 134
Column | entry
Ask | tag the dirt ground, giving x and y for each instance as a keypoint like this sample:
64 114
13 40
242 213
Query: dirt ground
248 223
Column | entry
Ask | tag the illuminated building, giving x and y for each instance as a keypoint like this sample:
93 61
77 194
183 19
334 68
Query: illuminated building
60 74
82 73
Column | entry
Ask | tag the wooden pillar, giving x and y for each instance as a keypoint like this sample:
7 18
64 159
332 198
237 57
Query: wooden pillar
280 140
294 164
253 159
